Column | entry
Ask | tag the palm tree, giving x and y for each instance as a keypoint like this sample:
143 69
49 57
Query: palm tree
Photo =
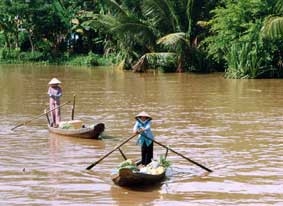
273 25
124 32
180 25
179 43
172 19
158 26
273 30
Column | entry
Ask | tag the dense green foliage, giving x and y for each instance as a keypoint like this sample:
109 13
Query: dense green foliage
237 40
243 38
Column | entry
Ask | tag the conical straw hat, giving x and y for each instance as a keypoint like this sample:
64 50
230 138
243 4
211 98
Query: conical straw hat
54 81
143 114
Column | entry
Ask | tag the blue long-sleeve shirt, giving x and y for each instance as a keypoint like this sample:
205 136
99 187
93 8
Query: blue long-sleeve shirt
146 125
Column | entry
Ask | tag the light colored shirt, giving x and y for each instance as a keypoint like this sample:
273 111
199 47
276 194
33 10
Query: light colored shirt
55 93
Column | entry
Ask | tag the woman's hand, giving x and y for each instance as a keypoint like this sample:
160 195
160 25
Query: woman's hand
140 130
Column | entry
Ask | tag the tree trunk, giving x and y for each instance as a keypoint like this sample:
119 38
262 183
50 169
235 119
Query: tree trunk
30 40
180 67
7 40
141 65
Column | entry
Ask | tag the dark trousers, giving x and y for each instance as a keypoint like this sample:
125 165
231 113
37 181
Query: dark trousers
147 153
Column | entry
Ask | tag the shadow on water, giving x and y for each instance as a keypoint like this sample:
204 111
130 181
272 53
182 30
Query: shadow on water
142 195
94 143
144 188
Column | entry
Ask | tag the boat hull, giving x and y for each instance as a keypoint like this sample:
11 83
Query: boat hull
86 132
129 178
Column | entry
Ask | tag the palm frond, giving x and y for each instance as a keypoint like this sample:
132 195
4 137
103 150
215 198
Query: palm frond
99 21
136 31
189 8
61 11
161 14
172 39
273 27
117 8
279 6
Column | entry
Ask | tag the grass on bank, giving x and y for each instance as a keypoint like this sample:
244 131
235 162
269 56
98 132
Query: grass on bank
90 59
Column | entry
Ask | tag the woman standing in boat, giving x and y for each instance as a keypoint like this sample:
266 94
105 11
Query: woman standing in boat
143 128
55 92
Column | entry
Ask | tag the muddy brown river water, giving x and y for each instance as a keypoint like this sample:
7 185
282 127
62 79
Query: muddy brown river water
233 127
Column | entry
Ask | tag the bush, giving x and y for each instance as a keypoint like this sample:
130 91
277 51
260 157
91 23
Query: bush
7 54
165 62
90 60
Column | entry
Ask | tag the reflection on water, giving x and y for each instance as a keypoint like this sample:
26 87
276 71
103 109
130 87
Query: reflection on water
231 126
143 196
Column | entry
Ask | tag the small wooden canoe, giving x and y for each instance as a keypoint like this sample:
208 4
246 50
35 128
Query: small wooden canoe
128 178
85 132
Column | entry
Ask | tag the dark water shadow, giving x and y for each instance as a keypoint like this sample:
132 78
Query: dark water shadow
141 195
75 140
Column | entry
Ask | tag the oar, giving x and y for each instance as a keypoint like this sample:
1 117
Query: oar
168 148
73 107
122 153
47 117
24 123
107 154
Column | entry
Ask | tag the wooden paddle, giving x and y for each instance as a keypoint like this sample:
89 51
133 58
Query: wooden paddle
24 123
122 153
73 107
168 148
47 117
107 154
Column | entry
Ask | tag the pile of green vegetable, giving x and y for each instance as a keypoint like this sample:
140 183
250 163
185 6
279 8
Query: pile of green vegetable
155 167
129 164
163 162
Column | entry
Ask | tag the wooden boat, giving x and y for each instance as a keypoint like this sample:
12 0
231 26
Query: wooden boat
129 178
90 132
74 128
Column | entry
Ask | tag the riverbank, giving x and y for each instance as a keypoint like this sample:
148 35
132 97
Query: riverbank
39 58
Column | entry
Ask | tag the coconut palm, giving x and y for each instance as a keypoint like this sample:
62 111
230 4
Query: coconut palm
272 30
124 33
155 26
273 25
172 20
180 29
179 43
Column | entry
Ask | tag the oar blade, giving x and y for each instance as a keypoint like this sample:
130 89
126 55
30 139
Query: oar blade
91 166
17 126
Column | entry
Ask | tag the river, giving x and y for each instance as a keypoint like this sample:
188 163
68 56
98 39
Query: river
233 127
